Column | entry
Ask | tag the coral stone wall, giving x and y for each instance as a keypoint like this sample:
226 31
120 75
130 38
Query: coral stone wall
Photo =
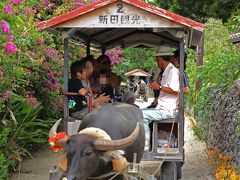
224 127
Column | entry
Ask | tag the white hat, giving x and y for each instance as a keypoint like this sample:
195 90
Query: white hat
164 51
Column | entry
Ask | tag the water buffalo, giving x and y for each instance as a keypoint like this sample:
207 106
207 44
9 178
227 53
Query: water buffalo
88 157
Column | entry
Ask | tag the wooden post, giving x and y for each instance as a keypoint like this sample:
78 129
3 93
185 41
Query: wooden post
65 76
103 50
200 52
88 48
181 98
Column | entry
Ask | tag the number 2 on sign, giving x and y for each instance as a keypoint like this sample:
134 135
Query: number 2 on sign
120 8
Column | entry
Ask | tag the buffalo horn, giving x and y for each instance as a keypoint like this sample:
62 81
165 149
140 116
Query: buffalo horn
53 130
112 145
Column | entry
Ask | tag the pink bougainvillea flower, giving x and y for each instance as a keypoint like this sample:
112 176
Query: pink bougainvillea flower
46 2
6 95
10 46
59 101
118 52
47 48
1 74
32 101
79 4
115 61
34 10
54 106
5 27
39 6
53 86
8 9
10 38
112 57
17 2
51 52
39 41
108 53
59 74
51 74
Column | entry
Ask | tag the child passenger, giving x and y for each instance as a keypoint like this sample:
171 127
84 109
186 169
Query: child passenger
78 106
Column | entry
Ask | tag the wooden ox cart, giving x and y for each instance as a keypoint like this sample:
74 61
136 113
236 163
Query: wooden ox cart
108 24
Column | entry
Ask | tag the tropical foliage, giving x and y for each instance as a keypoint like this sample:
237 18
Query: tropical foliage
30 73
201 10
220 69
20 132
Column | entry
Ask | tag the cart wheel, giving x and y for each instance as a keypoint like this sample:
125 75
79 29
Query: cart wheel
179 170
171 171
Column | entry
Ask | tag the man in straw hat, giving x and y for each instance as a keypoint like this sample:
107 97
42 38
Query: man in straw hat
168 98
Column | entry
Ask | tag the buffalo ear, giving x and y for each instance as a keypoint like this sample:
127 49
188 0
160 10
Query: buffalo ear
63 161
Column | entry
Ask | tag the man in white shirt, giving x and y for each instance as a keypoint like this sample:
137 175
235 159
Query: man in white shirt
168 98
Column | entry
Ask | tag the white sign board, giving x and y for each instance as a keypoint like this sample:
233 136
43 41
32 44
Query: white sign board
119 14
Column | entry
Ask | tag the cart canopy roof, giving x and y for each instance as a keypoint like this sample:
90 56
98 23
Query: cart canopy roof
235 38
137 72
107 24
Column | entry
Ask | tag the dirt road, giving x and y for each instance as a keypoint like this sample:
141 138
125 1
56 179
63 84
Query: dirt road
195 167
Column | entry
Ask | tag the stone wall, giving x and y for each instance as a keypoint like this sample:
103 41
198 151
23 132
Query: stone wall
225 122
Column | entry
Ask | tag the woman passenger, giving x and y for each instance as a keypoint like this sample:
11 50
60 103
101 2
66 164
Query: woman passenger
102 98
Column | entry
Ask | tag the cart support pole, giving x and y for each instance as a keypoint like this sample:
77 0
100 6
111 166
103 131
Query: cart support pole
181 99
88 48
103 50
65 74
200 52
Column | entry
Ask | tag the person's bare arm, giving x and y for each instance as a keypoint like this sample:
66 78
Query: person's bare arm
154 85
83 91
186 90
168 90
101 99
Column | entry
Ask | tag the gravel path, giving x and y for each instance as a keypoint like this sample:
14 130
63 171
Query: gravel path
195 167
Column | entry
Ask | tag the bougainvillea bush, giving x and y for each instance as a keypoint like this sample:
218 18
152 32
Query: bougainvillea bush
30 69
30 65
